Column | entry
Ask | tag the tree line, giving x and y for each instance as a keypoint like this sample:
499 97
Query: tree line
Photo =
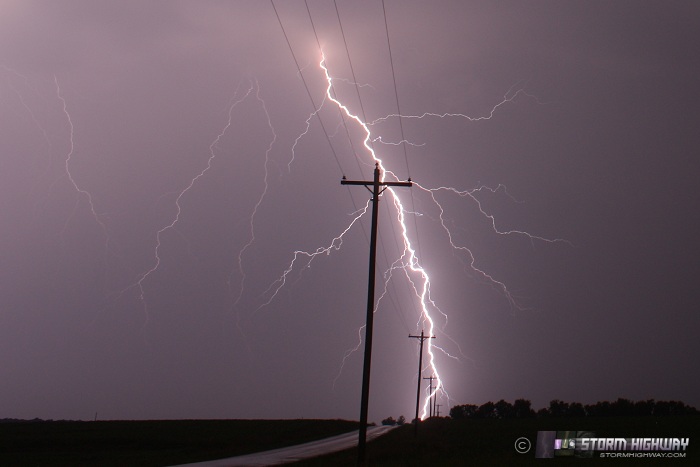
522 408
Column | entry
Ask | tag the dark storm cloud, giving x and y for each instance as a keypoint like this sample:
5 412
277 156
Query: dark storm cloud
601 151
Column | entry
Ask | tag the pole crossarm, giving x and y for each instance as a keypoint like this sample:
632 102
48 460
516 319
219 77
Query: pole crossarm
377 188
432 397
421 338
376 183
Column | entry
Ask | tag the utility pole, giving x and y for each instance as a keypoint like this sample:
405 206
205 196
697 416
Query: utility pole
435 401
377 188
422 337
431 407
437 407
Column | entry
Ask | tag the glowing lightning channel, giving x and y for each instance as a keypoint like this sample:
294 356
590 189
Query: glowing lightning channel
67 163
298 138
28 109
408 256
335 244
34 119
508 97
416 275
260 199
212 156
409 260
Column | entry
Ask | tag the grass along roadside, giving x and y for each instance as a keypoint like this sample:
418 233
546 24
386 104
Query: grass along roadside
152 442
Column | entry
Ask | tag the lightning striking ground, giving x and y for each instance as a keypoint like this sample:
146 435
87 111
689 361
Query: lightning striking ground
408 261
408 256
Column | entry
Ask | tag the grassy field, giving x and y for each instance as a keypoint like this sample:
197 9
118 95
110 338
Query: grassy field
152 443
486 442
440 442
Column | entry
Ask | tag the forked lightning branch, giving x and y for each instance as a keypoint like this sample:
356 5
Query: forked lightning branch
416 275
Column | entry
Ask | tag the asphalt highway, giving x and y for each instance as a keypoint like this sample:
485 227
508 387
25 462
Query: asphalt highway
295 453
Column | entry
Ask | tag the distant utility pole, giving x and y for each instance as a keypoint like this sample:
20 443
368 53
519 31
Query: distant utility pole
422 337
377 188
435 401
437 407
432 398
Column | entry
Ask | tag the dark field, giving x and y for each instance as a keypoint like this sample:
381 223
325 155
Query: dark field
152 443
440 442
479 442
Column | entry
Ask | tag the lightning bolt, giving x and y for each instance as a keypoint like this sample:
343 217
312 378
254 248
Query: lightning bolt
81 192
303 133
408 257
417 276
178 209
29 110
37 123
510 96
335 244
256 206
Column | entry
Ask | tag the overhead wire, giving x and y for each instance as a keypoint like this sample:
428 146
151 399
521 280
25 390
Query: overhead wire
364 119
306 87
308 92
333 92
398 111
352 70
342 118
396 91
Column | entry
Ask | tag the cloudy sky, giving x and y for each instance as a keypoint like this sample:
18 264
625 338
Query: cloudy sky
162 173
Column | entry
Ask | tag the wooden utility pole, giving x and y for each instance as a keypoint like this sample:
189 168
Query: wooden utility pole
431 407
422 337
377 188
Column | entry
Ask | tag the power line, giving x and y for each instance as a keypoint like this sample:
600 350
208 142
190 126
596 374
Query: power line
333 92
364 119
432 396
321 121
396 91
398 111
421 338
357 160
377 189
352 70
301 75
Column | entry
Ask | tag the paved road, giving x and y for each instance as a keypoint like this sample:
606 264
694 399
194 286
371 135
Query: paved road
295 453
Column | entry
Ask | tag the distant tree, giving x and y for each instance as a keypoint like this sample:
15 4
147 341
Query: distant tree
401 420
503 409
644 408
459 412
670 408
487 410
389 421
522 409
558 408
576 409
662 409
600 409
622 408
